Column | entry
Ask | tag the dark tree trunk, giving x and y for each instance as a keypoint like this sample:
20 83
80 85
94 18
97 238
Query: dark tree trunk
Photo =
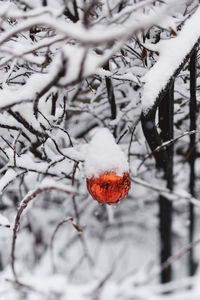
166 113
111 98
192 154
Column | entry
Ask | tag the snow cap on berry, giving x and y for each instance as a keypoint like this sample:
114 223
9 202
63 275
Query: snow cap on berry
104 155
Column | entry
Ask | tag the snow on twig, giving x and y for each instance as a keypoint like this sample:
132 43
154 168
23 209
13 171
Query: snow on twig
170 195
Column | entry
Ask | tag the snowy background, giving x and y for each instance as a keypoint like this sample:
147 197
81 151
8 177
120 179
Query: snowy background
68 68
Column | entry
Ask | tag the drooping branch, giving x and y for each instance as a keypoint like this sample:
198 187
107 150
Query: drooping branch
28 198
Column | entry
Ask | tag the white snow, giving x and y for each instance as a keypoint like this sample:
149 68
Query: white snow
7 178
104 155
171 54
4 221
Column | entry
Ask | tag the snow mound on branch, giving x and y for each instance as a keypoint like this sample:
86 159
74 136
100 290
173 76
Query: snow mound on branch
104 155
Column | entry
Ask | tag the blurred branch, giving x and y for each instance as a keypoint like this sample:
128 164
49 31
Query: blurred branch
170 195
167 144
70 219
28 198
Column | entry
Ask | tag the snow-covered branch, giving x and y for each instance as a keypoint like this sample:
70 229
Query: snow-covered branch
173 53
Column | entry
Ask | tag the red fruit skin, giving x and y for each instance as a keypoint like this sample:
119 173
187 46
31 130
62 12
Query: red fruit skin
109 188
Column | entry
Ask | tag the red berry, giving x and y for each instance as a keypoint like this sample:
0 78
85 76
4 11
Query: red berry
108 187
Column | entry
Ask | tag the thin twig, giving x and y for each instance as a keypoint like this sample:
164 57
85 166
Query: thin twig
4 153
60 152
171 260
121 136
26 124
65 131
131 139
9 145
14 146
167 144
170 195
61 72
52 164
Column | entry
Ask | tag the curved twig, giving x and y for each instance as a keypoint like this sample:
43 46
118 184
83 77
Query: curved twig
30 196
70 219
